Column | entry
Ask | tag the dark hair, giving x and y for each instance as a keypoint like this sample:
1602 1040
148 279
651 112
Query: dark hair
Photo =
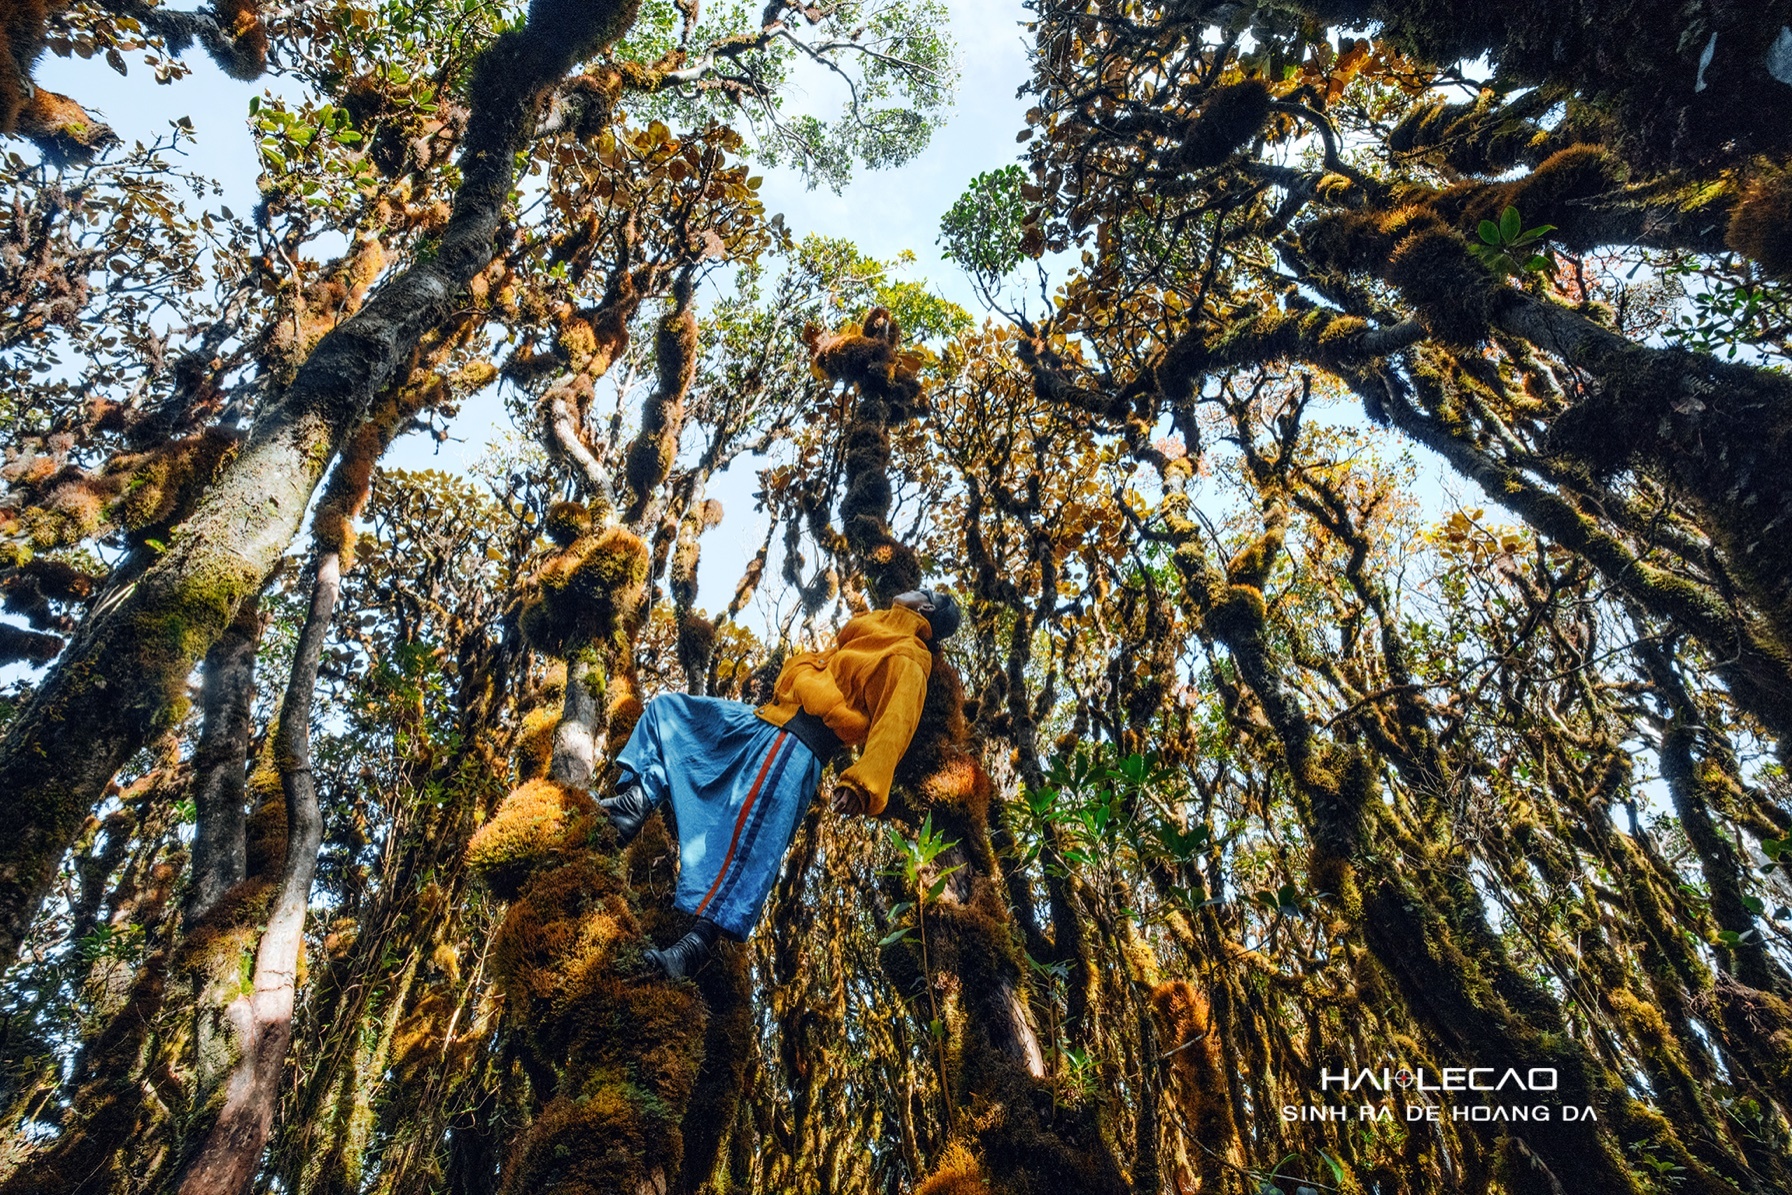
945 616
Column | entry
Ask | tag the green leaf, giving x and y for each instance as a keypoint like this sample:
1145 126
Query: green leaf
1510 224
1490 232
939 884
1537 233
891 939
1754 905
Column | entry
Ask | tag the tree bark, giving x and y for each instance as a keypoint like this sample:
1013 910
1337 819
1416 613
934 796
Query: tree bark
581 721
225 1164
219 762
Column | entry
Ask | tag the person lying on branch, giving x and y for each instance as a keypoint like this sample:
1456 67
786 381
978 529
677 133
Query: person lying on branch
740 779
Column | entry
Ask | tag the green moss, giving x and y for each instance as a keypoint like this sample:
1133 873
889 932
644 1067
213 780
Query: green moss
1566 190
1456 299
1240 611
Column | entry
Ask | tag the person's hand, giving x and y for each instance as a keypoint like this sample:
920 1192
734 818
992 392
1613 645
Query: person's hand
848 800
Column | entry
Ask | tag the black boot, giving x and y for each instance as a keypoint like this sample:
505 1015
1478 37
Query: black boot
681 959
629 810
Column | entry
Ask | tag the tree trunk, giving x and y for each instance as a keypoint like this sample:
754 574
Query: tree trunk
225 1164
582 718
219 762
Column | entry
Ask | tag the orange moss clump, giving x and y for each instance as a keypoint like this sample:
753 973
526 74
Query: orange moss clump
961 782
586 592
958 1173
1229 120
867 356
1457 300
143 492
535 743
566 522
62 128
558 943
1564 190
1761 226
22 35
1197 1074
936 764
625 707
536 825
246 55
627 1048
650 457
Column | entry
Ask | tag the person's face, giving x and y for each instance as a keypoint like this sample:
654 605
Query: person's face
918 600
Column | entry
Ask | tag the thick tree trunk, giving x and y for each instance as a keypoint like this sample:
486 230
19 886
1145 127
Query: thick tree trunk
225 1164
126 673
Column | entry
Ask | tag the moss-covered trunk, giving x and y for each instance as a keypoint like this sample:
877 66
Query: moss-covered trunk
262 1017
220 850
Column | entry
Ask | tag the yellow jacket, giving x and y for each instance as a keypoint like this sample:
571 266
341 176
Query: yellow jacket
868 688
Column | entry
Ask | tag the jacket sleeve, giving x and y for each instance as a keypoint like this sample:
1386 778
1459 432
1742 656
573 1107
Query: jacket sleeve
901 690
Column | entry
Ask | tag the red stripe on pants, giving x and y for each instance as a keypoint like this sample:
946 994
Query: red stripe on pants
741 821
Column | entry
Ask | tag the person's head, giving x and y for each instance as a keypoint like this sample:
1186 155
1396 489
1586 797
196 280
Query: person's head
938 607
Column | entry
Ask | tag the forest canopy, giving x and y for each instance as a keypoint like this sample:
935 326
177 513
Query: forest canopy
1365 473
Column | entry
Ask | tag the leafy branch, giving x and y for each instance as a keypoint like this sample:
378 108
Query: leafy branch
1509 248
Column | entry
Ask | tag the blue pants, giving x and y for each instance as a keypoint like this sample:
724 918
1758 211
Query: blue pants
738 787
